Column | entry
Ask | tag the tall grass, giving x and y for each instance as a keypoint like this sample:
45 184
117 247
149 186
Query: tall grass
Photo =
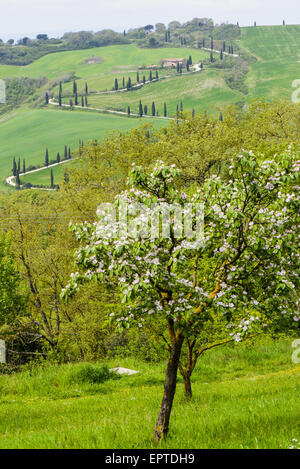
244 397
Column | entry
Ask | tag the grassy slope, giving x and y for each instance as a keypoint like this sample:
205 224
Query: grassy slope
116 61
277 49
244 397
203 90
30 132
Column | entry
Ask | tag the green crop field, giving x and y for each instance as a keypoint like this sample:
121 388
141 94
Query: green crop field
244 397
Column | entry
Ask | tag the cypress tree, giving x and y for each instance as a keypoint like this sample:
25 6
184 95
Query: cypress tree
180 68
82 101
137 77
51 178
169 35
116 87
59 98
19 165
58 158
66 153
221 117
14 169
129 84
150 75
140 109
153 108
211 43
69 153
166 36
76 98
156 75
60 87
18 181
181 106
165 110
224 46
177 67
74 88
128 110
190 60
24 167
86 100
144 79
47 158
221 55
187 67
86 88
145 109
47 98
283 23
123 82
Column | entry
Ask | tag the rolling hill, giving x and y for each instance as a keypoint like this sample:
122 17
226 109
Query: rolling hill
268 57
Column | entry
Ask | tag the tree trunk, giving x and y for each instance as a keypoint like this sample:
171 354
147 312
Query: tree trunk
187 385
162 423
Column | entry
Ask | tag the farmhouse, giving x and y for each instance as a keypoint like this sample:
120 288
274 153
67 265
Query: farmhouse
173 62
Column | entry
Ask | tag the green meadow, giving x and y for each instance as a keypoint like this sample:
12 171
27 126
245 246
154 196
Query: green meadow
29 132
244 397
277 49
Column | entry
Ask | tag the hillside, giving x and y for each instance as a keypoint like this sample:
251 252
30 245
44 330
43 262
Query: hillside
265 64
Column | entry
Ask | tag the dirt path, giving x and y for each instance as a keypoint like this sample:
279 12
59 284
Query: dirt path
11 179
218 52
197 68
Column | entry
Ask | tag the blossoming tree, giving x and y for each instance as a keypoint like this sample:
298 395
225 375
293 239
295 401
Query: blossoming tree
237 273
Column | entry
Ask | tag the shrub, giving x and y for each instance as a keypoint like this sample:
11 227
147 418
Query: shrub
87 373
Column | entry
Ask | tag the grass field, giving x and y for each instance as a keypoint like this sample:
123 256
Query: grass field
27 134
205 90
110 62
244 397
44 177
277 49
